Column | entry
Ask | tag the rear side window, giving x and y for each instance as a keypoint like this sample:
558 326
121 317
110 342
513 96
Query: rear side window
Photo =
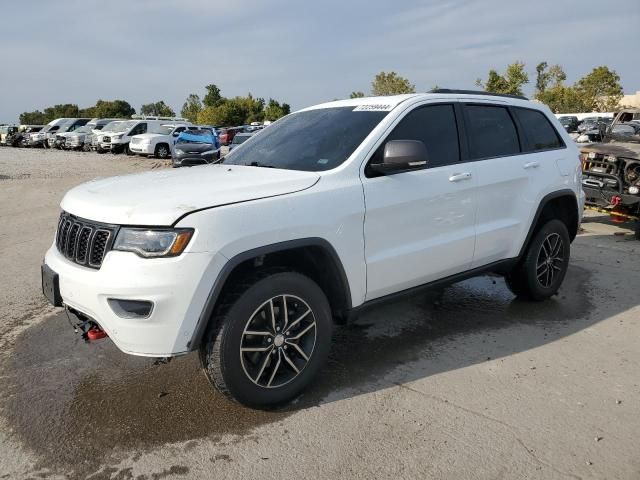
491 132
435 126
538 132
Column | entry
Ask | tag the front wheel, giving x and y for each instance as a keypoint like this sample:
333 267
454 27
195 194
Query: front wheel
544 265
268 340
162 151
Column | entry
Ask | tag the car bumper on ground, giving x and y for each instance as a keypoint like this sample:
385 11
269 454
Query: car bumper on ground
177 293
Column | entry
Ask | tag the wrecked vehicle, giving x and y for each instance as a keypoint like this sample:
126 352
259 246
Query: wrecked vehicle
611 170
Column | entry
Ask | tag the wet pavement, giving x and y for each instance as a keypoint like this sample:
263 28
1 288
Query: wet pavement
79 406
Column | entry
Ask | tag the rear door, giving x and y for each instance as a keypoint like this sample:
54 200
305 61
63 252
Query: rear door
509 179
419 225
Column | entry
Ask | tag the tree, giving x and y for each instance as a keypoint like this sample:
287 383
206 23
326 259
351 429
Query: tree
274 110
68 110
356 94
157 109
113 109
562 99
33 118
600 90
230 113
191 108
510 83
553 76
391 84
213 98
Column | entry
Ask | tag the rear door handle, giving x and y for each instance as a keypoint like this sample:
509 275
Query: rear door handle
458 177
531 165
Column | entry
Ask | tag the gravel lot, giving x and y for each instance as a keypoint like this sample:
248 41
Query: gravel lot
462 383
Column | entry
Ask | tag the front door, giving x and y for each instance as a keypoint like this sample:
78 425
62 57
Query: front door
420 225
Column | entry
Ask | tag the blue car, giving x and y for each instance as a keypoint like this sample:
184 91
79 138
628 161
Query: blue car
196 147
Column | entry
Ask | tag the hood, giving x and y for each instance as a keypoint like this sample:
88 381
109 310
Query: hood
614 147
195 147
161 197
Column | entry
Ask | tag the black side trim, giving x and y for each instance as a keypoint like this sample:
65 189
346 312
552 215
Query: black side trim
546 199
212 299
501 266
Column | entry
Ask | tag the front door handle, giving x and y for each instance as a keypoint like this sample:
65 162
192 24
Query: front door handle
458 177
531 165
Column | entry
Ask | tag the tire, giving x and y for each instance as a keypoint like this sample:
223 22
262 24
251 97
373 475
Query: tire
162 151
267 378
544 265
127 150
636 231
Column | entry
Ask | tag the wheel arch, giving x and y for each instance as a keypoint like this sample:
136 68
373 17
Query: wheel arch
314 257
561 204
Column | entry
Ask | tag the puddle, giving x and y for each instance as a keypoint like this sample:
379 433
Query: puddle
93 402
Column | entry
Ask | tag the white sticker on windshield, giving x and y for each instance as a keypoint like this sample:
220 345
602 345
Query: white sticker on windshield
381 107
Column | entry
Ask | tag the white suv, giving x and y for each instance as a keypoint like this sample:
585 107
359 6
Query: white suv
329 210
159 139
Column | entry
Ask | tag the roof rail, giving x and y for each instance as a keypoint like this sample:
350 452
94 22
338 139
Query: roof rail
156 117
477 92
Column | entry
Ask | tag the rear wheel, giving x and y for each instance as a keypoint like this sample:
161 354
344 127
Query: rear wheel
544 265
268 340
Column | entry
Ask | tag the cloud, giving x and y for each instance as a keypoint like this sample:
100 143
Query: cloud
298 52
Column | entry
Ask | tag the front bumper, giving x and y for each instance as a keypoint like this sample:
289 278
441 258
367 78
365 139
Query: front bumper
142 148
190 159
178 288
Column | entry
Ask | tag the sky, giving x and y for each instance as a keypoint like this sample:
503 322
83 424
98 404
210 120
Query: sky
298 52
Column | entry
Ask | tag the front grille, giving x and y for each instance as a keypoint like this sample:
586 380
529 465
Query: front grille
106 139
84 242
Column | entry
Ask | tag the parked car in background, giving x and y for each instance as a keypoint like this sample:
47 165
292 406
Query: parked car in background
21 137
6 131
81 137
225 135
39 139
119 141
240 138
196 147
57 139
570 123
611 170
587 124
159 140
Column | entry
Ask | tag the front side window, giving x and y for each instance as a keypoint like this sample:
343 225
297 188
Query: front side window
538 132
435 126
491 132
312 140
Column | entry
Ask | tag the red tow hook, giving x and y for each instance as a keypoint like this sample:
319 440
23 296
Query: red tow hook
96 333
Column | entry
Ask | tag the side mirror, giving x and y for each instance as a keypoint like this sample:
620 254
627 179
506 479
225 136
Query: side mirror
402 155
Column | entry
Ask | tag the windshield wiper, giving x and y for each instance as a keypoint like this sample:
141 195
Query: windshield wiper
258 164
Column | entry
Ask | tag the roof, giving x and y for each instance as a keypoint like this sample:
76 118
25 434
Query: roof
387 103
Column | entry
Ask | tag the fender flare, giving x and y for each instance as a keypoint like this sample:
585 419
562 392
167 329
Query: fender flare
543 203
216 289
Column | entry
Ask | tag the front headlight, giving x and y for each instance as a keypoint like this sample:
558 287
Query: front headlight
153 243
116 137
209 152
179 151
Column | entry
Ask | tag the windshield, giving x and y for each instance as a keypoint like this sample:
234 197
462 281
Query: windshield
313 140
85 129
119 126
196 136
238 139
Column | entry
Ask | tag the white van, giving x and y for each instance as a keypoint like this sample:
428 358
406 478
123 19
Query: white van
118 141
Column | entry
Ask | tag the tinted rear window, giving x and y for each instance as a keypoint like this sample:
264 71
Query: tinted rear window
538 132
491 132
